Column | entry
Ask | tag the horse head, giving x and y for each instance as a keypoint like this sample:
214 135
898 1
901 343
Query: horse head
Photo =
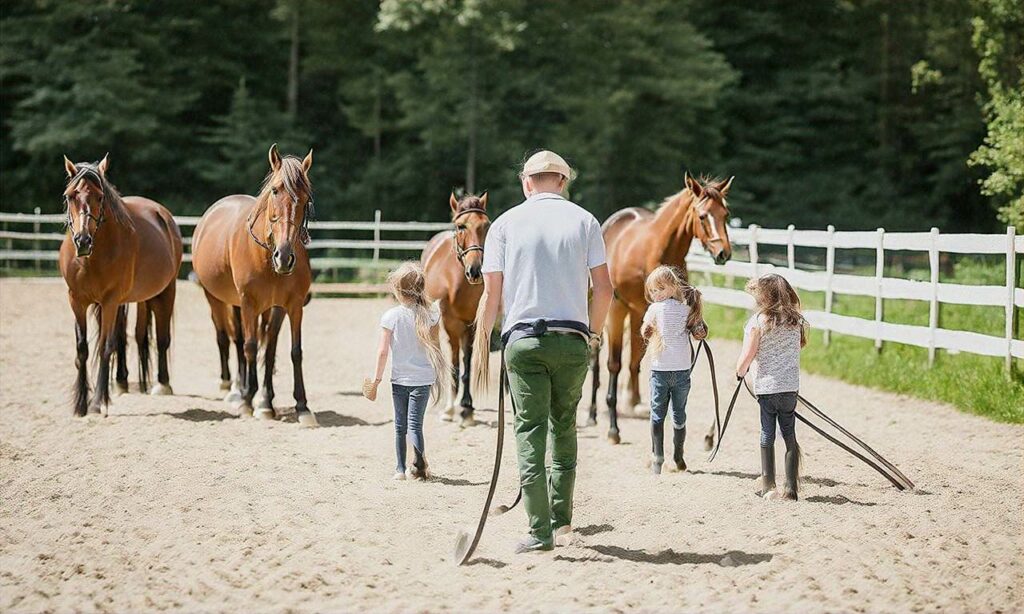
287 199
710 222
471 223
86 199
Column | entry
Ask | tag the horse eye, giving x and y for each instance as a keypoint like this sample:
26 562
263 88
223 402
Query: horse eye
273 191
461 226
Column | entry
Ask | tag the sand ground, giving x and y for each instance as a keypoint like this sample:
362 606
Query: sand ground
172 503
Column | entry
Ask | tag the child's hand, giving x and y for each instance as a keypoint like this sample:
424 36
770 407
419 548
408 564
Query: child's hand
370 388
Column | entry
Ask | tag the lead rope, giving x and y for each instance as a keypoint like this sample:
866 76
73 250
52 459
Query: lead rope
464 548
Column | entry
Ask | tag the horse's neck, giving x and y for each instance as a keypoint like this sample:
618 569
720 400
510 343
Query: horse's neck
674 232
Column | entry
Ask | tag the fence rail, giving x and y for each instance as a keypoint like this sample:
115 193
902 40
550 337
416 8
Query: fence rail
878 286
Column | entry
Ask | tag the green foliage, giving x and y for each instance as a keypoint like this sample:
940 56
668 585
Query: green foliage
999 40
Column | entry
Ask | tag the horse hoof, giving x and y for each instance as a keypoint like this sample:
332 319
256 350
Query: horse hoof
233 398
161 390
307 418
613 437
709 443
244 410
120 388
447 414
95 410
641 410
225 384
264 413
468 422
591 421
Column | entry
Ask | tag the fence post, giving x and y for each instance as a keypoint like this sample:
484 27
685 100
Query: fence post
753 247
879 276
830 267
790 250
35 243
1011 269
933 308
376 236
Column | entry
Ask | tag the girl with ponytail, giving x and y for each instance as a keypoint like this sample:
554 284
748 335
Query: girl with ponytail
409 332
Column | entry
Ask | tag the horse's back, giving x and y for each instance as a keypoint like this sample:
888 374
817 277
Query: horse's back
159 244
211 244
436 264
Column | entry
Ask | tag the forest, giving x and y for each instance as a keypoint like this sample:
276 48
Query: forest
905 114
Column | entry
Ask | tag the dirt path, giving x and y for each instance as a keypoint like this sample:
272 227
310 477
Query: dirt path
173 504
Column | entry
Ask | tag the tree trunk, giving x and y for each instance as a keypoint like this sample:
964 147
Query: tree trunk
471 128
293 63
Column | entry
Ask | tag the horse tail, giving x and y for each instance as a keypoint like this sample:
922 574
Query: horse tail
143 337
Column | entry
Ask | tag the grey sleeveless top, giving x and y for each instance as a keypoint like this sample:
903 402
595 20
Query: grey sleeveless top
776 368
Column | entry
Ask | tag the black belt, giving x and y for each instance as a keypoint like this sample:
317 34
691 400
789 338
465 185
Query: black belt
538 328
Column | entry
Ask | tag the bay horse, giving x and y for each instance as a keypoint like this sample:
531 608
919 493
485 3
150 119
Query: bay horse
117 250
452 263
249 254
638 241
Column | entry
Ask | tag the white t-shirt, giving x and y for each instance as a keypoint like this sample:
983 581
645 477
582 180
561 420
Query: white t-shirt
409 363
669 318
545 247
776 368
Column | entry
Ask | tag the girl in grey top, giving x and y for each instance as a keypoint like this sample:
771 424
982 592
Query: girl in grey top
772 341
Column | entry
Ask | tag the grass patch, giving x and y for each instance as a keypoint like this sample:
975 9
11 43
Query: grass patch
975 384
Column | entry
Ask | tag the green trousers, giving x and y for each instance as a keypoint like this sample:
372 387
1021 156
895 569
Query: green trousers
546 380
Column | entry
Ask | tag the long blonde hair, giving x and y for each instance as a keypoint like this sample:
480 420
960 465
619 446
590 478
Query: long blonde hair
667 282
408 285
778 302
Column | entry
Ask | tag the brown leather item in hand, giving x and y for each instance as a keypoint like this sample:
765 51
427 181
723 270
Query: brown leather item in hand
370 389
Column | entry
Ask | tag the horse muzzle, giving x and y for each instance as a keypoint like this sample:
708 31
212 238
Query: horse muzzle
473 274
722 257
83 245
284 264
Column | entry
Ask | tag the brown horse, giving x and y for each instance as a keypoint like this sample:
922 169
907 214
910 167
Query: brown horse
250 257
638 241
452 262
118 250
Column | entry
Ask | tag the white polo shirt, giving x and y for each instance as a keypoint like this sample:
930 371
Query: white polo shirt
545 248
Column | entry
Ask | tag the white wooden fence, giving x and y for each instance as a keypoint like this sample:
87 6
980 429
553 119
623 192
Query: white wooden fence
878 286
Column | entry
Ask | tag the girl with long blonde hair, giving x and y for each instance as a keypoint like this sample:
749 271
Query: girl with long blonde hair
772 340
674 315
409 331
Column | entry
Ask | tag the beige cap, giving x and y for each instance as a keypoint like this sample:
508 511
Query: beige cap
546 162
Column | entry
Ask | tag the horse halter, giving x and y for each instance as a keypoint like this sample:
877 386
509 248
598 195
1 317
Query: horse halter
460 252
303 230
86 212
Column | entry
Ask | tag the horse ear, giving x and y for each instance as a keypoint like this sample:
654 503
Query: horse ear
275 158
69 167
453 202
483 201
104 164
307 161
694 185
724 186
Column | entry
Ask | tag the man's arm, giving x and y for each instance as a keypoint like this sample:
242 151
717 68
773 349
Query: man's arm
602 297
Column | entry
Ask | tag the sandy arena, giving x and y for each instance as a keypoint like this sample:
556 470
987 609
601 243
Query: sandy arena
172 503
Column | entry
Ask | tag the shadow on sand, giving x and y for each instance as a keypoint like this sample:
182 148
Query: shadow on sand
836 500
733 558
753 476
331 419
202 415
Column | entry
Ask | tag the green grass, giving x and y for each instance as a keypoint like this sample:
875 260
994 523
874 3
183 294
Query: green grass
975 384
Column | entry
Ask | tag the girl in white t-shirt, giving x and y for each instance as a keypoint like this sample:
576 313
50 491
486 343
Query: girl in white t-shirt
675 313
409 331
772 340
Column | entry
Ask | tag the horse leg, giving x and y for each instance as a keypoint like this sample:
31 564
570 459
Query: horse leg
595 383
121 350
143 316
452 330
81 399
162 306
234 395
302 412
467 370
636 355
616 323
107 342
265 408
250 348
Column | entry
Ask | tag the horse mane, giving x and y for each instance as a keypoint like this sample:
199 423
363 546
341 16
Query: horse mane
295 180
90 171
707 183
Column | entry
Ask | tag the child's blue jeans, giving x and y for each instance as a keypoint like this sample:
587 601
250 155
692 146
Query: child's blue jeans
668 386
410 405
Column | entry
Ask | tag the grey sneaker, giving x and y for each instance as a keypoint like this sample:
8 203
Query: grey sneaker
532 544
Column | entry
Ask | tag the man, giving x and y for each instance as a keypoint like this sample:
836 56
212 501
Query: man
541 259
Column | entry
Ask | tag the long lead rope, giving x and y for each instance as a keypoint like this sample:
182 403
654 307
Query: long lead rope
464 548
